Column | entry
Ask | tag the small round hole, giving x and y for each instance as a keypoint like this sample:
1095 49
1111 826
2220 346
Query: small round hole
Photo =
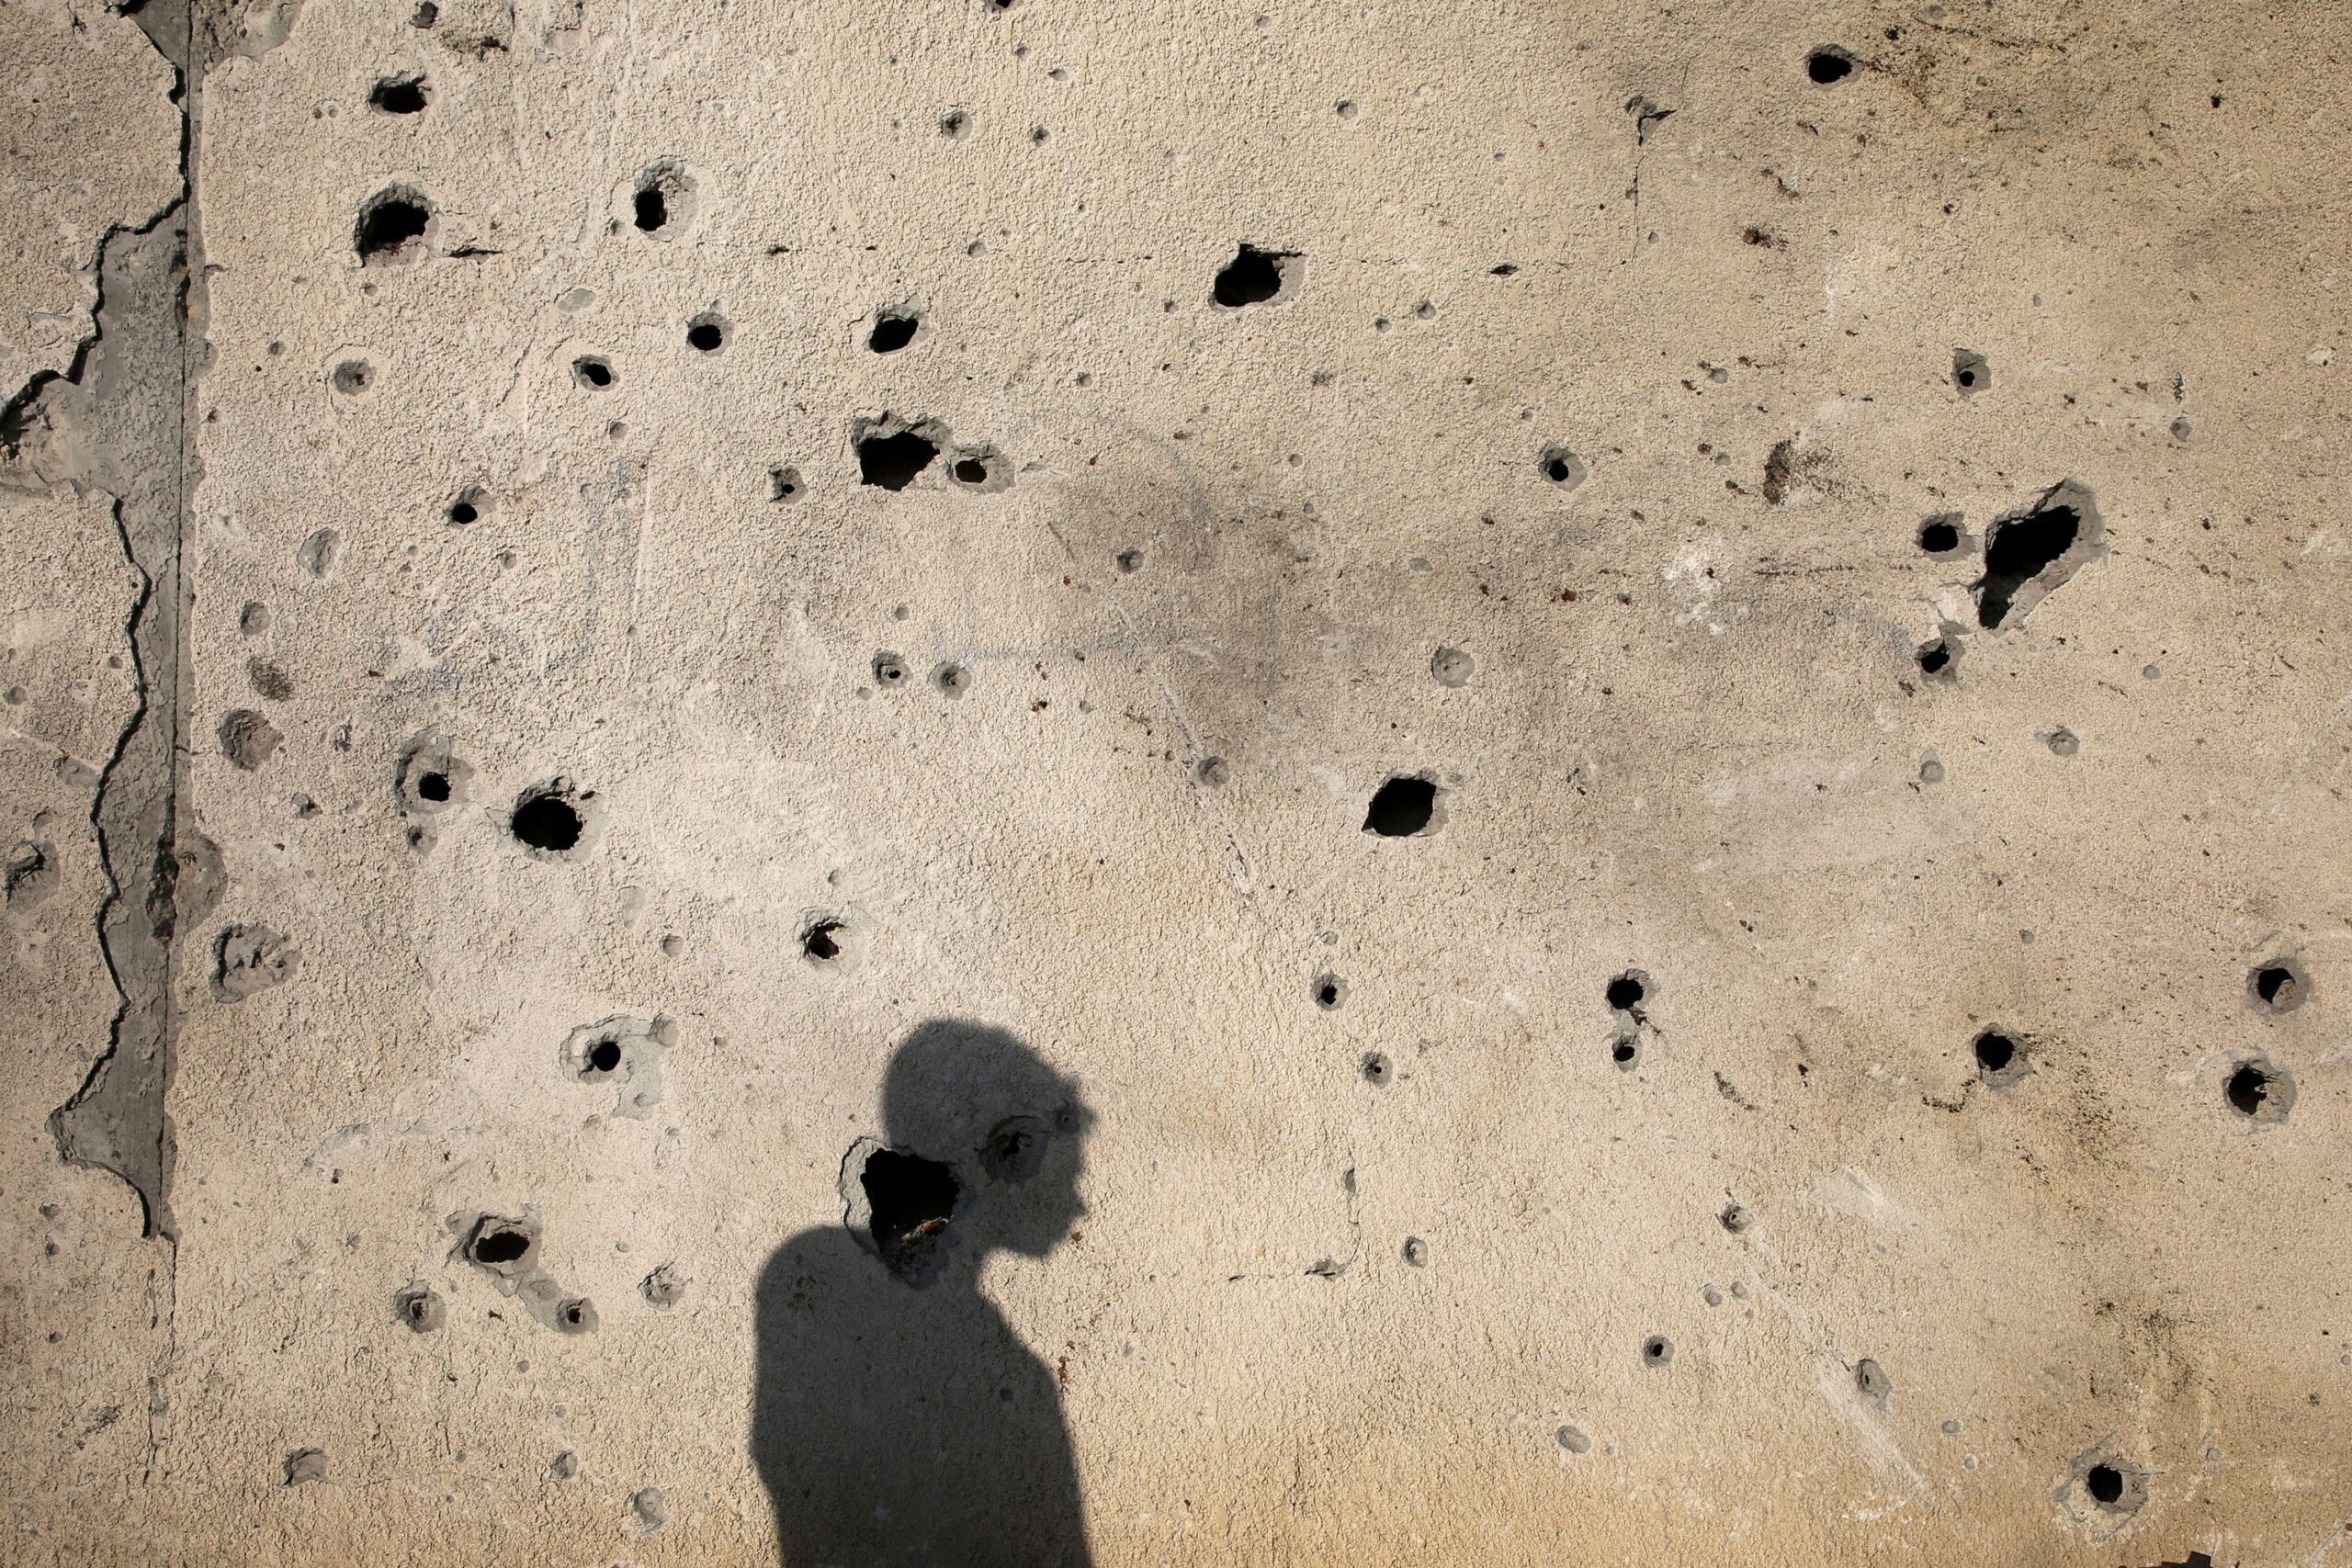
1939 535
1624 1052
893 330
433 786
592 371
462 512
1562 466
1627 991
1330 992
1828 64
1934 656
2104 1482
2276 986
1656 1350
890 669
971 471
1995 1052
354 376
604 1057
706 333
391 223
1736 1218
545 820
2247 1089
1375 1069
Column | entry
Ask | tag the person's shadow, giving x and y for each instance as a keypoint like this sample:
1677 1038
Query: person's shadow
897 1420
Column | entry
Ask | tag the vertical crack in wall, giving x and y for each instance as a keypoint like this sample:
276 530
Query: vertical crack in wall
116 422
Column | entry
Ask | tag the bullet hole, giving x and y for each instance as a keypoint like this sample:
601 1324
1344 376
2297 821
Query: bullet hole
1129 561
910 1200
652 1512
305 1465
708 333
1562 466
575 1315
254 619
1736 1218
2105 1483
1417 1252
547 819
1935 656
2000 1058
954 125
1329 991
893 330
419 1308
1626 1052
564 1466
1829 65
2276 986
1939 535
2053 536
620 1050
247 739
592 371
1970 372
1871 1380
29 876
426 15
354 376
891 457
318 553
951 679
1403 807
2260 1091
820 943
249 959
665 1288
1626 993
2063 742
970 471
428 777
469 506
500 1245
398 94
1255 277
1656 1350
663 201
1452 667
1014 1150
1212 773
391 226
1574 1440
889 670
1376 1068
783 484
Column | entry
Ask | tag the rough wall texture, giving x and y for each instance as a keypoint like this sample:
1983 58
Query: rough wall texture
1623 730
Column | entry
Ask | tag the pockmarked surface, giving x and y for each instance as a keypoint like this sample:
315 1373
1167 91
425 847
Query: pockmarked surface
1019 783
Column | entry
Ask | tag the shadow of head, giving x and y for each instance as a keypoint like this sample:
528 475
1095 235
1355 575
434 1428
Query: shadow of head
983 1151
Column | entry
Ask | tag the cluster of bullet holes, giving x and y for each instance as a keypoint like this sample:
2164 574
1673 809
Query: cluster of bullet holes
391 226
1628 996
1257 276
2001 1058
250 959
1828 65
593 371
1561 467
663 201
894 328
2258 1090
1970 372
908 1203
1404 807
507 1249
2277 985
622 1051
708 333
1329 991
2029 553
552 820
399 95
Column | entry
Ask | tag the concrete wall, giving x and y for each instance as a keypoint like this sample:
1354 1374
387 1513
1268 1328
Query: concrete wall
595 980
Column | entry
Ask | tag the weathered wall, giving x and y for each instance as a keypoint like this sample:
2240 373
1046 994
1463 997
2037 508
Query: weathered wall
1580 467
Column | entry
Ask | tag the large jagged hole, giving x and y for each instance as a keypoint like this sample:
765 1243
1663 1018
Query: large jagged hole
2018 550
1401 808
390 225
893 461
910 1199
1253 276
